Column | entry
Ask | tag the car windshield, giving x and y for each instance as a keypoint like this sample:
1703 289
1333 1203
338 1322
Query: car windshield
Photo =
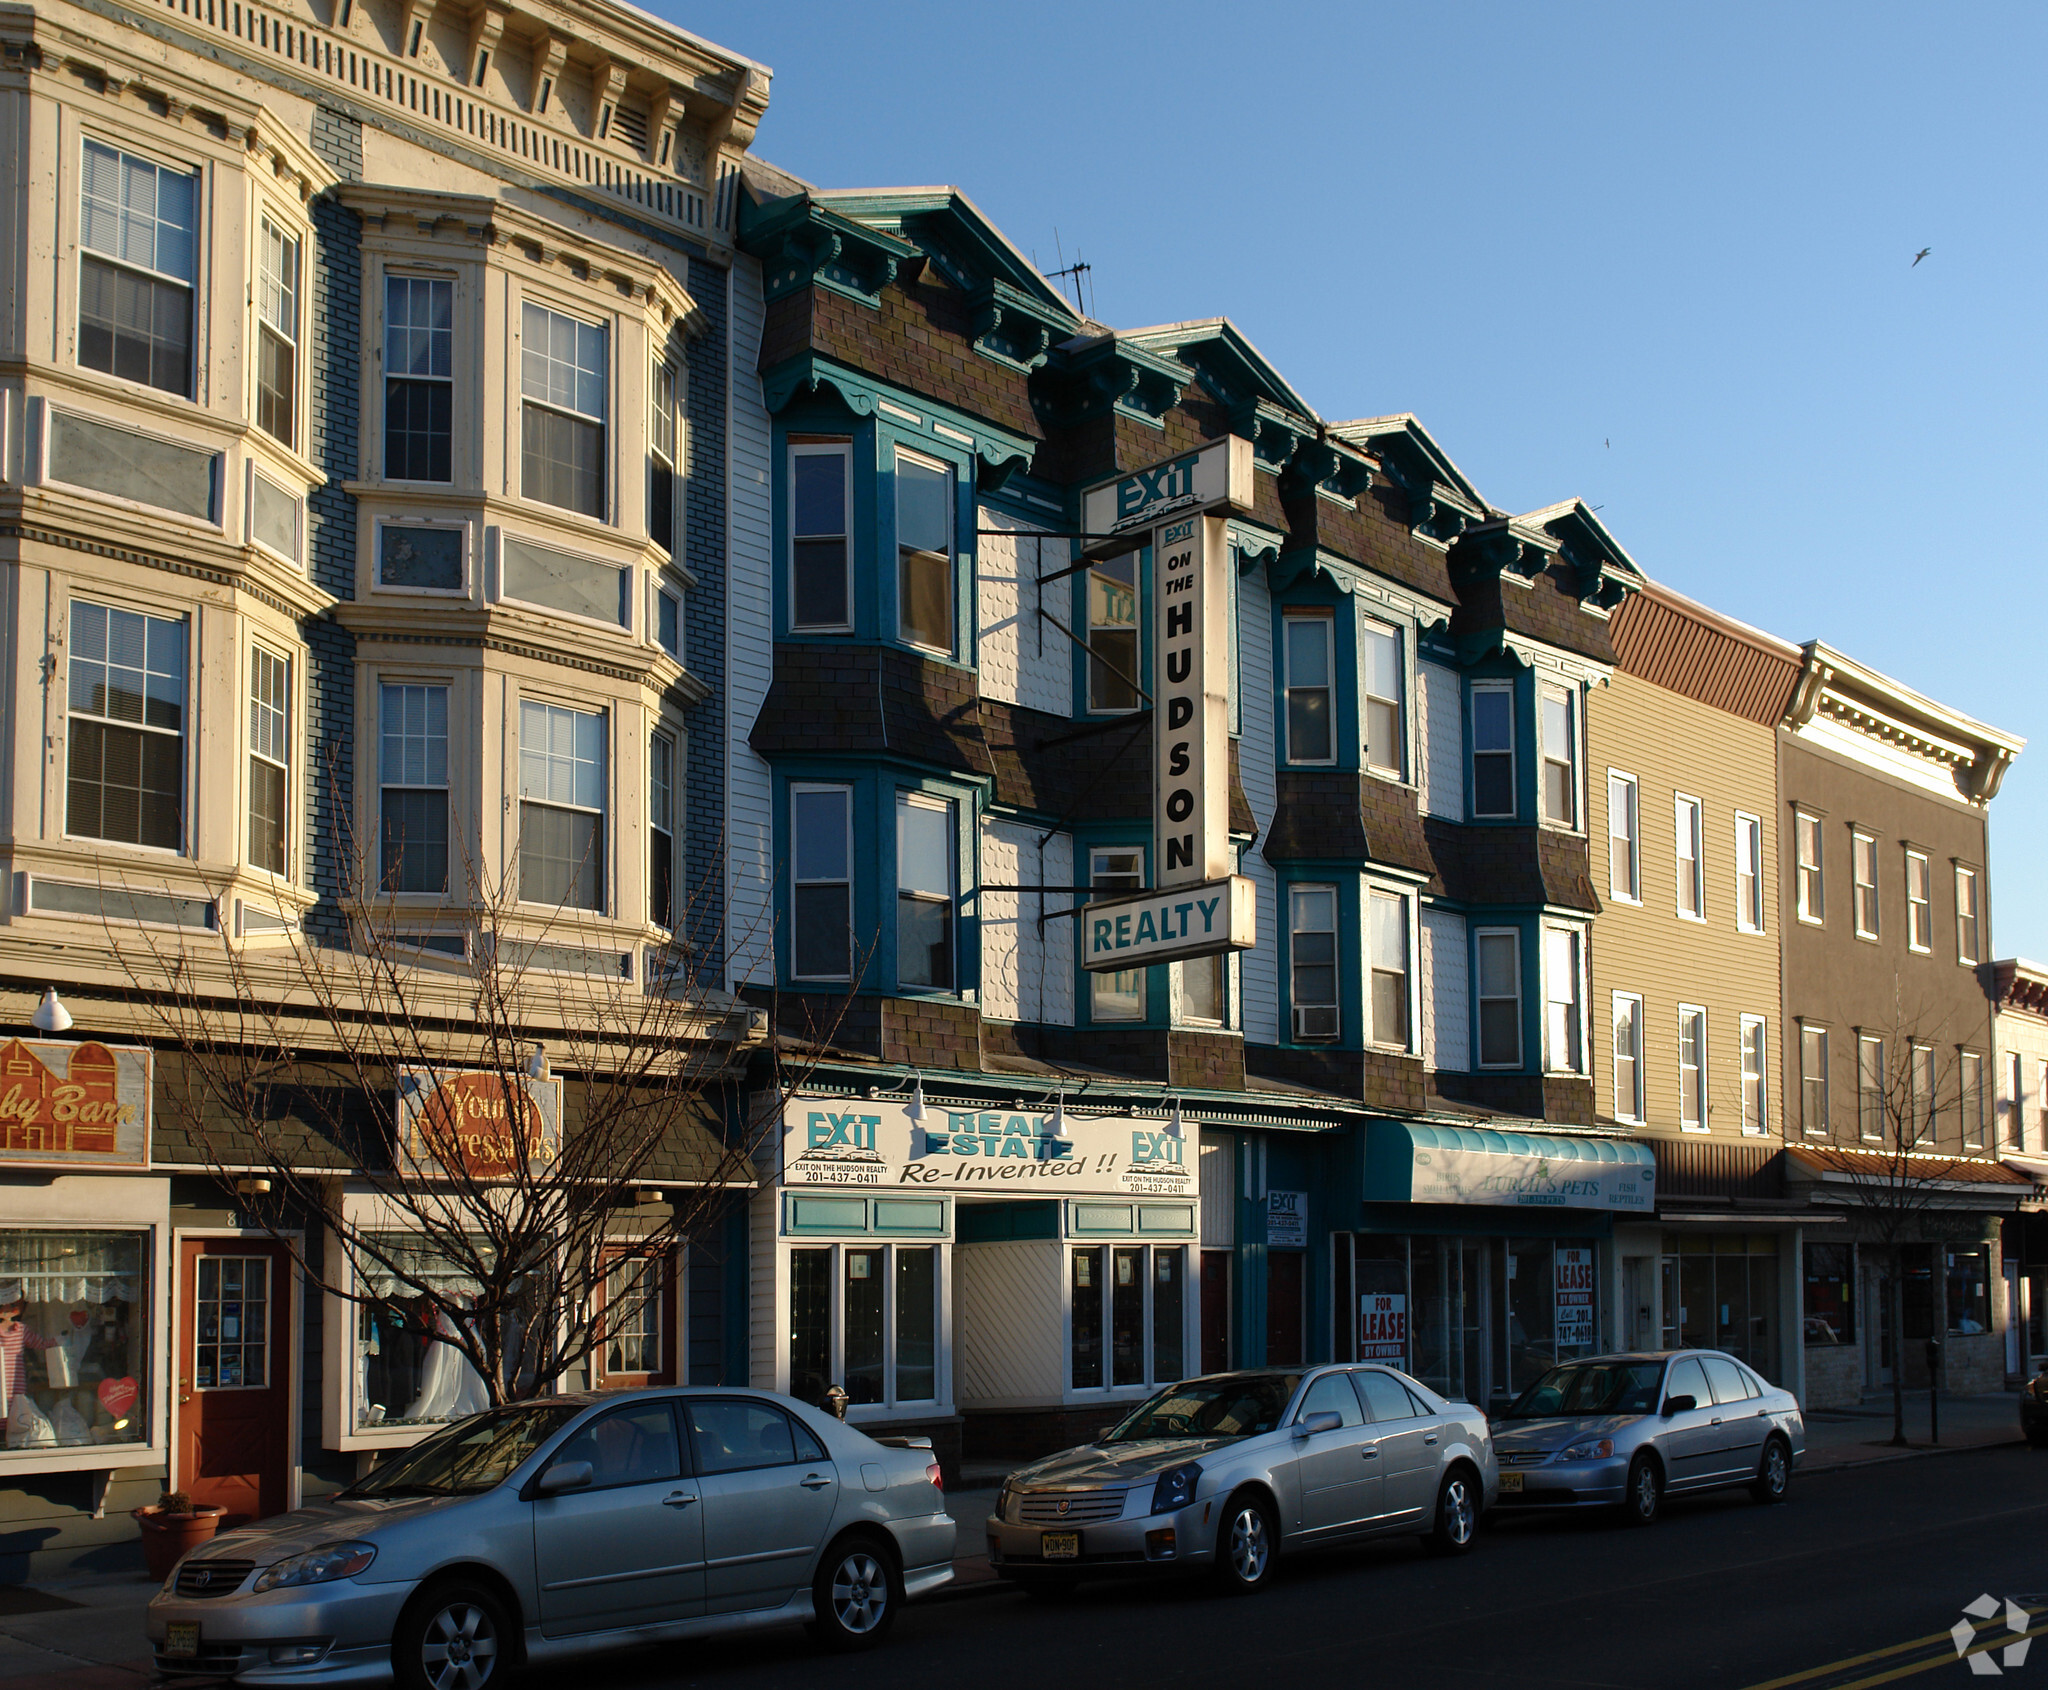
1232 1405
472 1456
1591 1387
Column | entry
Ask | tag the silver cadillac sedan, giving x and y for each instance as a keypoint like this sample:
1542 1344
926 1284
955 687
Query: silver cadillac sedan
1624 1431
1226 1472
549 1529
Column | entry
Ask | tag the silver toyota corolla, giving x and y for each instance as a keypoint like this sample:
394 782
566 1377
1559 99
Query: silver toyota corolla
1227 1471
553 1528
1625 1430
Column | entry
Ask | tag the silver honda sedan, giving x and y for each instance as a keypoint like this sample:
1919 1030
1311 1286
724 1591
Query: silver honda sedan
1228 1471
1624 1431
549 1529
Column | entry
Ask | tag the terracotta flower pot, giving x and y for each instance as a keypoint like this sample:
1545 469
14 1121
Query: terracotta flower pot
166 1537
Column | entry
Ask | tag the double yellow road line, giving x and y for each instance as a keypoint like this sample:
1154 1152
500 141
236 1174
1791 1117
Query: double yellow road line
1936 1651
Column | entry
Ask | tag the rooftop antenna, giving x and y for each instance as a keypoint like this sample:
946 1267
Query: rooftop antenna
1079 268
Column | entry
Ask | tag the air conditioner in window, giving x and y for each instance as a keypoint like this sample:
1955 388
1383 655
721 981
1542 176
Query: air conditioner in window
1312 1022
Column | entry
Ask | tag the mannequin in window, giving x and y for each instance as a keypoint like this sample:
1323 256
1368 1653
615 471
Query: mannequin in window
449 1387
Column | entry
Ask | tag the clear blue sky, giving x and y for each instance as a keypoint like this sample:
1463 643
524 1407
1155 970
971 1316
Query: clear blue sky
1656 256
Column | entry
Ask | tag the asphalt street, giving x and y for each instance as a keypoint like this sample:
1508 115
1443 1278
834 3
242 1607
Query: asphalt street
1854 1582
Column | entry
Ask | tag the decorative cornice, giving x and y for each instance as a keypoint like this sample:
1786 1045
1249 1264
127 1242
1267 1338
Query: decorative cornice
802 244
288 595
1602 573
1276 435
1010 326
998 452
1506 546
1859 698
1335 469
1090 376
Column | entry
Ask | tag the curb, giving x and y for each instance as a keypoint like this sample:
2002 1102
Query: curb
1888 1456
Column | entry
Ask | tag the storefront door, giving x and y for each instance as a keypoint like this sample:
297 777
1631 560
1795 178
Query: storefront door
1286 1283
233 1420
1215 1311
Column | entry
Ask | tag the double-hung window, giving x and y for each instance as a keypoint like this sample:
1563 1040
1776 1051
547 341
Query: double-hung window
1386 918
1500 997
1863 881
1919 903
2041 1105
125 763
1923 1100
1560 758
2015 1102
1968 947
1870 1087
924 552
1628 1057
1756 1108
925 862
1624 838
1119 994
1563 1038
1970 1083
820 587
1205 990
1493 748
138 262
1806 838
562 415
1749 875
1311 665
270 758
821 882
1385 742
661 457
1692 887
277 335
561 805
1692 1068
1813 1081
1113 634
1312 962
412 774
419 378
661 830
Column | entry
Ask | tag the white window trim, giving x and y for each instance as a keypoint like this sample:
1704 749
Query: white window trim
93 593
1328 622
1512 753
1963 871
1801 819
1634 1113
1634 893
1973 1131
302 237
1336 932
1680 803
1927 874
1574 763
199 284
606 812
416 273
1411 962
1478 1018
1827 1080
942 1292
377 583
952 474
1097 868
296 564
1579 993
673 736
1859 838
949 809
1761 1026
657 590
843 451
293 735
795 787
1883 1077
1748 920
1398 769
606 324
1706 1069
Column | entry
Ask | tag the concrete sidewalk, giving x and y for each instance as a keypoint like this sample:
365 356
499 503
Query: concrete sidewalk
82 1634
1852 1437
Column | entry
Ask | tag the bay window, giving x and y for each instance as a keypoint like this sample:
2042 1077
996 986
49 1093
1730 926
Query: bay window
924 890
419 378
1311 667
125 762
412 773
821 882
277 335
1563 1038
1312 963
924 552
1560 758
865 1316
269 758
1387 932
820 582
661 458
561 805
1205 990
1118 994
1493 748
1384 739
138 263
1113 634
661 830
562 411
1500 997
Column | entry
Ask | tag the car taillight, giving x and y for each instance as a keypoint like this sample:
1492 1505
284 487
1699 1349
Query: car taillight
931 1472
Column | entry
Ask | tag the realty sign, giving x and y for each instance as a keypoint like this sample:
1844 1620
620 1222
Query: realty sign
1219 474
1191 701
1134 932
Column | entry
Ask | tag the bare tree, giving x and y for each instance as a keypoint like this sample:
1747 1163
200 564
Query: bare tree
1897 1175
508 1088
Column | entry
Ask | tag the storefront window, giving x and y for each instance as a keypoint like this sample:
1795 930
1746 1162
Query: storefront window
1127 1317
1128 1301
1722 1294
1449 1280
1969 1290
864 1286
887 1354
1087 1303
810 1324
632 1295
408 1373
917 1325
1830 1312
74 1338
1168 1320
1552 1306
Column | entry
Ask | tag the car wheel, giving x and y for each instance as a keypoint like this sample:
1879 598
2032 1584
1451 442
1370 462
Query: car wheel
452 1636
1457 1514
1644 1497
1773 1479
1247 1542
855 1594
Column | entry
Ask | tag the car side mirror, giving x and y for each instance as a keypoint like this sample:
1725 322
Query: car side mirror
1679 1404
564 1475
1324 1420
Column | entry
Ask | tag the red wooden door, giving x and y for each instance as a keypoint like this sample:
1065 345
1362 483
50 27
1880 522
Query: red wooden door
1286 1275
1215 1311
234 1375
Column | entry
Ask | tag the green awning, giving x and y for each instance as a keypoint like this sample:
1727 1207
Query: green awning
1415 1162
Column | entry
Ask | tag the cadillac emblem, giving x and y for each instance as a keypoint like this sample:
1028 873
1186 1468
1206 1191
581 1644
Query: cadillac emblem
1063 1505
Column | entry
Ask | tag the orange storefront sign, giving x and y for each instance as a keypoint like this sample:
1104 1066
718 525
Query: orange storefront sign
468 1124
77 1105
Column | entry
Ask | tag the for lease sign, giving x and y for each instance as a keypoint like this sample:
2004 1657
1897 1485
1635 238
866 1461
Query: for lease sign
1574 1296
1382 1326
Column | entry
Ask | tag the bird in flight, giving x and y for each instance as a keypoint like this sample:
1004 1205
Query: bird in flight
1922 253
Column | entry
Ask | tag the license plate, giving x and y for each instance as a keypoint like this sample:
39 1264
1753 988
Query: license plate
1060 1546
181 1640
1511 1481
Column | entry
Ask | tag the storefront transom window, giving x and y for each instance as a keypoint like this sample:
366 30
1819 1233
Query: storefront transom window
74 1338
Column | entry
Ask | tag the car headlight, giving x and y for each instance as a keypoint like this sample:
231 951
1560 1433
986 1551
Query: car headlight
1004 1498
1592 1449
317 1566
1176 1487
